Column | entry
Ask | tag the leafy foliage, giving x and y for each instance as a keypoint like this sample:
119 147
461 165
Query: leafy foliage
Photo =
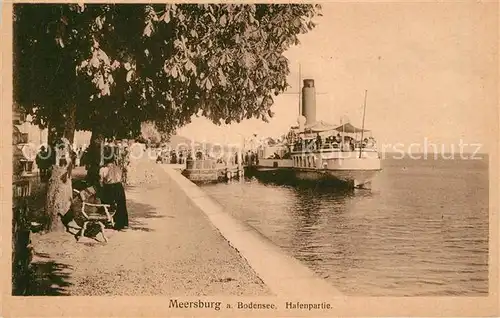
122 65
150 134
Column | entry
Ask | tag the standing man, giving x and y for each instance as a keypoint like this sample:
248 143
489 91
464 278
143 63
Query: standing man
42 161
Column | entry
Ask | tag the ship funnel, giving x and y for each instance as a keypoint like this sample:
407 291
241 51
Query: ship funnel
309 101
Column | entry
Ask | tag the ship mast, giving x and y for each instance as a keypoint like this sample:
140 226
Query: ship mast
363 125
300 91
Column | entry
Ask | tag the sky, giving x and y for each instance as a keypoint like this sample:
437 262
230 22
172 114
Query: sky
430 70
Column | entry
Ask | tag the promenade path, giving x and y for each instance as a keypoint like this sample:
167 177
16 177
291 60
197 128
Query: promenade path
170 248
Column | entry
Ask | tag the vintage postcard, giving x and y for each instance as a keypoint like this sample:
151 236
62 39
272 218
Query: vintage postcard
250 159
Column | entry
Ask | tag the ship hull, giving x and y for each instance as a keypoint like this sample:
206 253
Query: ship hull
350 178
341 178
356 169
342 169
272 174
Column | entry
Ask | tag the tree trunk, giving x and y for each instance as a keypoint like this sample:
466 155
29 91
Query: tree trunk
54 186
70 122
59 194
69 133
59 187
51 134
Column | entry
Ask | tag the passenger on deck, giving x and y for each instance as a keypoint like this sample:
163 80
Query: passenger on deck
319 142
338 139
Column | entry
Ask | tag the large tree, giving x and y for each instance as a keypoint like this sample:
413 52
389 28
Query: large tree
108 68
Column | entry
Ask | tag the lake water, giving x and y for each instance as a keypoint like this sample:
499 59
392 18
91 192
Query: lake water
421 231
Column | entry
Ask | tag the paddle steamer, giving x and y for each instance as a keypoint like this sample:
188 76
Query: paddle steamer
320 152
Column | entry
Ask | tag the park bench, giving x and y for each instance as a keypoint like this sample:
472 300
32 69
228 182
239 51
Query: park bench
94 214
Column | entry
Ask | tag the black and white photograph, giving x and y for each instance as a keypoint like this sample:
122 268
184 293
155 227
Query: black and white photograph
241 158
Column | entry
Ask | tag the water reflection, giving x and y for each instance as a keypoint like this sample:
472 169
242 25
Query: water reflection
307 213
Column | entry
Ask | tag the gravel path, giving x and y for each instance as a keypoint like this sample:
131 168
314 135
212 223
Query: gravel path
169 249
